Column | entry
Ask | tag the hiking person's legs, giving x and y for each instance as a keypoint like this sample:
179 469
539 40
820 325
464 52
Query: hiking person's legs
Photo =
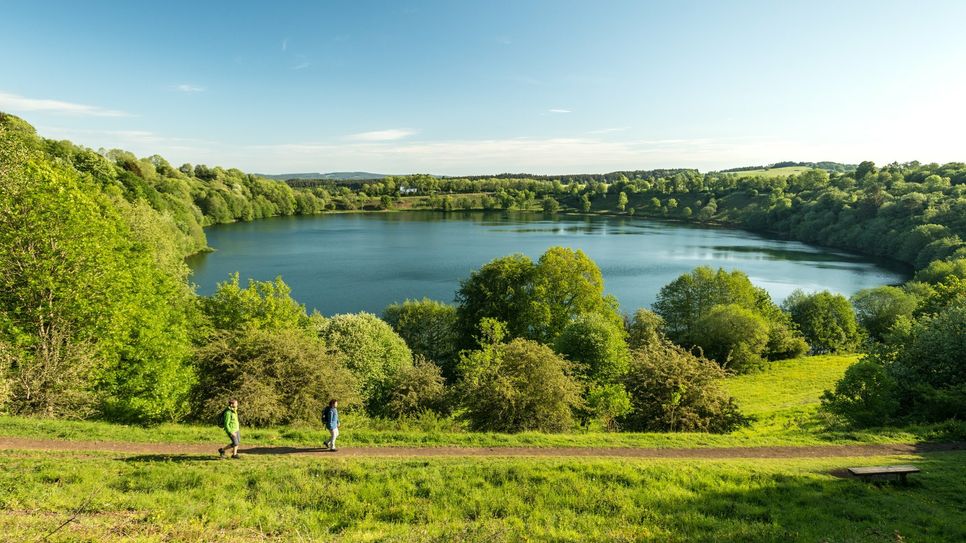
334 434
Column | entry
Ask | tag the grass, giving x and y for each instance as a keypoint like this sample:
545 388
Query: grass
184 498
783 401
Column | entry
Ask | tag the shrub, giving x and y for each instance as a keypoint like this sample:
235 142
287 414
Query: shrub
733 336
825 319
596 346
672 390
412 391
264 304
517 386
607 403
279 377
866 395
878 309
371 349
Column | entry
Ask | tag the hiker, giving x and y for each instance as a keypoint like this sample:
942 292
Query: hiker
330 417
229 422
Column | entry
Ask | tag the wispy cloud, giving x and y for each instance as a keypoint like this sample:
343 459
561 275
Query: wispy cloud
13 102
189 89
285 44
559 110
382 135
609 130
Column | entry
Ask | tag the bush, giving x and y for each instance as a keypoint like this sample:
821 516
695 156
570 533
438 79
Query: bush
517 386
596 346
412 391
878 309
733 336
673 390
373 351
866 395
607 403
825 319
264 304
279 377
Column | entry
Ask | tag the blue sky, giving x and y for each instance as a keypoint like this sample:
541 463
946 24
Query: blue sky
486 87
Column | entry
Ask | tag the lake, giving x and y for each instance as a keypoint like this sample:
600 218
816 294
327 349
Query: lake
342 263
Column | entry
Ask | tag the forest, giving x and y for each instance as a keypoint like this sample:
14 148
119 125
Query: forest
99 320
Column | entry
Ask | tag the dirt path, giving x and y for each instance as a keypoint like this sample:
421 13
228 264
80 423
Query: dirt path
383 452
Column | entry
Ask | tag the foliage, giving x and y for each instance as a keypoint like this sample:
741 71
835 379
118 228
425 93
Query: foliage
517 386
644 329
866 395
878 309
280 376
535 301
413 390
372 350
673 390
265 305
429 329
825 319
608 403
733 336
596 347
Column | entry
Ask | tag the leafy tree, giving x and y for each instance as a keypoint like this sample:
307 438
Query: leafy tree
501 290
825 319
566 284
265 305
585 204
429 329
371 349
622 201
865 396
733 336
673 390
517 386
878 309
608 403
281 376
550 205
644 329
596 346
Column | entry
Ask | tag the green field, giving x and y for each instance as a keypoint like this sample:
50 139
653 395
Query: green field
772 172
156 498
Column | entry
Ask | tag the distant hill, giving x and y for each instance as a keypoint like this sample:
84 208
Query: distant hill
333 176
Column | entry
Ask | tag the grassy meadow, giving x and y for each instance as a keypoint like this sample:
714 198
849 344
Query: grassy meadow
159 498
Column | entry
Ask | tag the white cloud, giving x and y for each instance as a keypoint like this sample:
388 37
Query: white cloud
558 110
16 103
188 88
609 130
285 44
382 135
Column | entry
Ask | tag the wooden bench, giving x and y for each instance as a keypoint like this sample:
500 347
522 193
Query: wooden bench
884 471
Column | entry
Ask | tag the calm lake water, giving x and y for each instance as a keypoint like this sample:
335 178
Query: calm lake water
363 262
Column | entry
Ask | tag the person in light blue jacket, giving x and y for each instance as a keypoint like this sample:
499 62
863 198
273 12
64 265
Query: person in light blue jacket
330 417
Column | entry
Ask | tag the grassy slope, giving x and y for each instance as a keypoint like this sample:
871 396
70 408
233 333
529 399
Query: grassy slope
298 499
772 172
783 400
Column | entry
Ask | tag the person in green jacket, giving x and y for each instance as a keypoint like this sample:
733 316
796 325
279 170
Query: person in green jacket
230 425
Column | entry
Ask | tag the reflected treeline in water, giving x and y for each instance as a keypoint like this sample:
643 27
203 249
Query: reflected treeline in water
352 262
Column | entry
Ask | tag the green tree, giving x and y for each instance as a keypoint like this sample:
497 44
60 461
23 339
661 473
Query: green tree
878 309
596 346
825 319
265 305
414 390
685 300
429 329
733 336
371 349
585 204
644 329
622 201
550 205
501 290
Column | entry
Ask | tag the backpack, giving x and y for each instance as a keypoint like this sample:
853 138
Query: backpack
219 419
326 413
